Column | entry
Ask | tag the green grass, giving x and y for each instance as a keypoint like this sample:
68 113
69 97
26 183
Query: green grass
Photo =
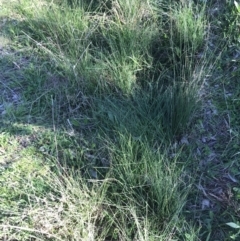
108 121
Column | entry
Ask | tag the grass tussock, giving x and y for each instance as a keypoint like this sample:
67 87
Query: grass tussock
98 98
138 199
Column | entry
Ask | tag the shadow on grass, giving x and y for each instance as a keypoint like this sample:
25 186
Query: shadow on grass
63 121
37 91
75 126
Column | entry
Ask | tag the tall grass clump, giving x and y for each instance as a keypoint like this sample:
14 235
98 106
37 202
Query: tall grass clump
127 31
140 198
105 49
127 34
128 47
180 60
59 31
189 31
146 184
